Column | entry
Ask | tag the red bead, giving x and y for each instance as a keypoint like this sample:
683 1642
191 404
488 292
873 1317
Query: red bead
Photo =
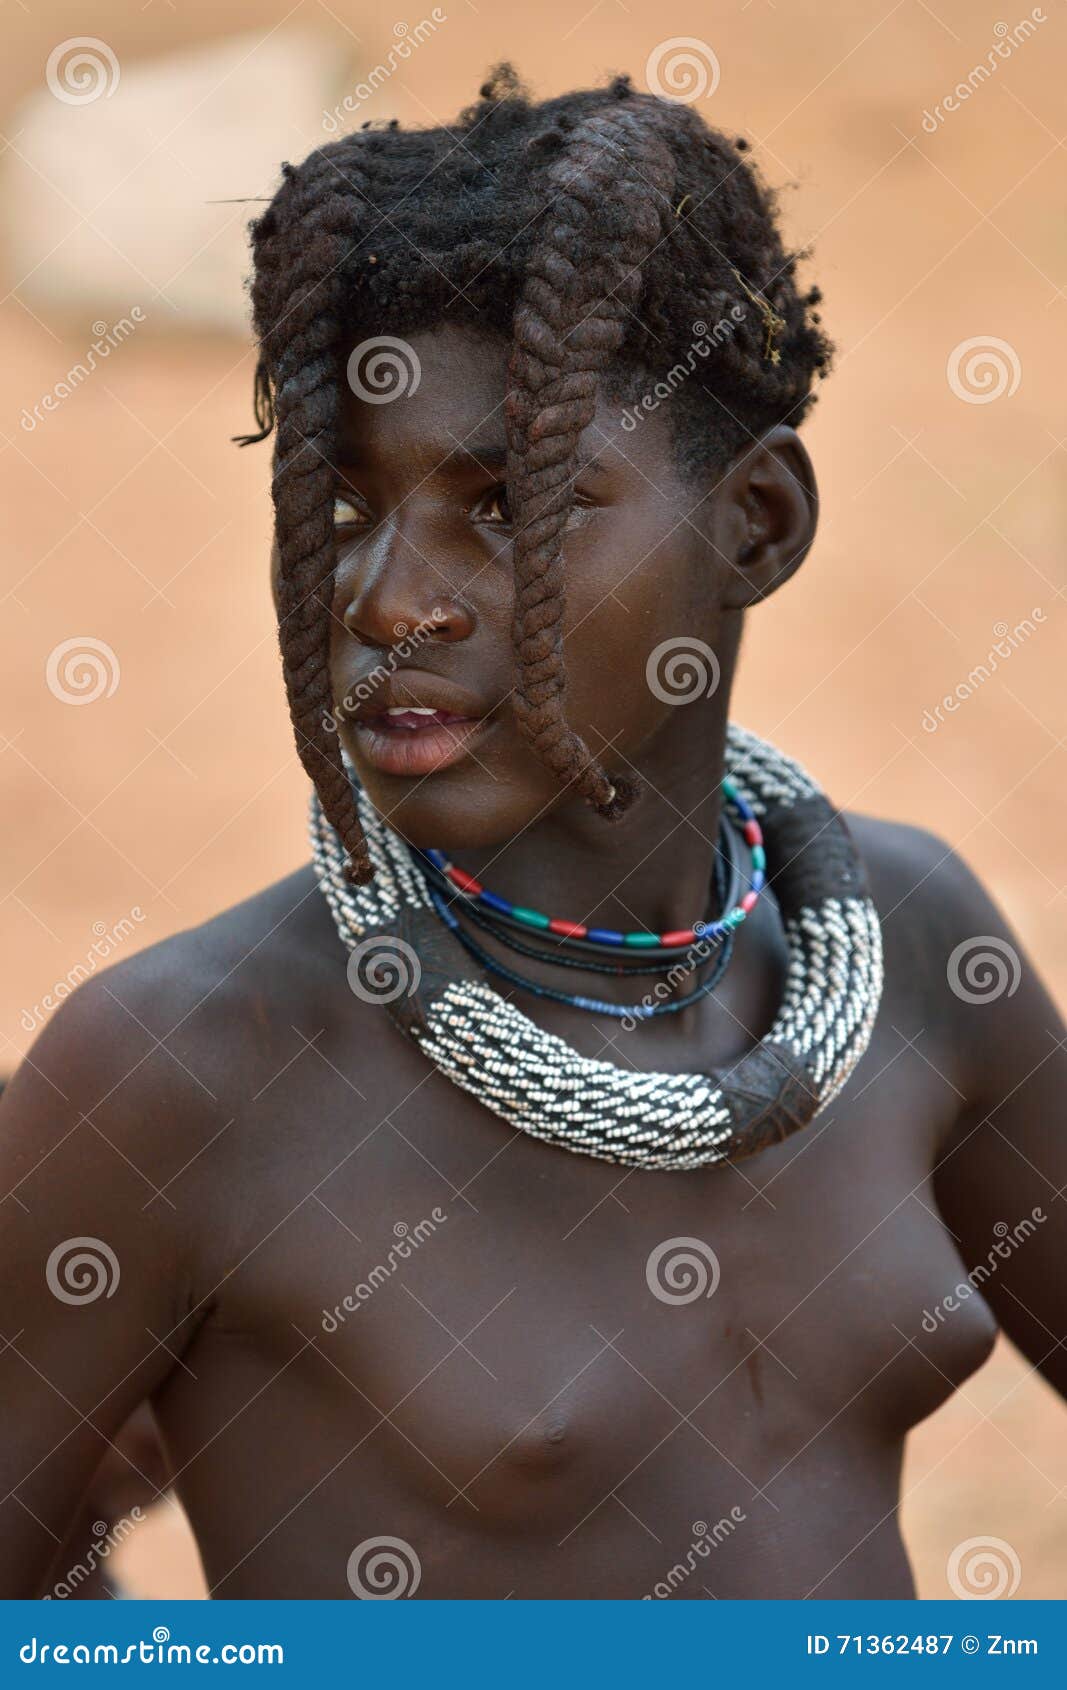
569 929
683 936
465 882
748 900
753 833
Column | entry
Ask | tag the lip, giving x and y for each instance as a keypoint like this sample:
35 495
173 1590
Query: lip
419 751
363 697
411 747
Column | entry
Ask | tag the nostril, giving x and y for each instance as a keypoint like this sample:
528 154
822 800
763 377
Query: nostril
449 622
372 620
438 622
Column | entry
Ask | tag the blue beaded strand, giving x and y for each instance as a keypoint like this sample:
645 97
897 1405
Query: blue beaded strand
633 1012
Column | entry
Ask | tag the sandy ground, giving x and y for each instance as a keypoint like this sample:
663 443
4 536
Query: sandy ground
131 520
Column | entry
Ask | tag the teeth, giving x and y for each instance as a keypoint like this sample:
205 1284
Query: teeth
410 710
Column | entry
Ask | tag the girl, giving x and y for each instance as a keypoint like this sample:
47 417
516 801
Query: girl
564 1184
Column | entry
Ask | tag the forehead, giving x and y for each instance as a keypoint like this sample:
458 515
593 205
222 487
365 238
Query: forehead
438 385
435 390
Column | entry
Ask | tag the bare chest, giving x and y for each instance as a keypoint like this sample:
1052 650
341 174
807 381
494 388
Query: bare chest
512 1330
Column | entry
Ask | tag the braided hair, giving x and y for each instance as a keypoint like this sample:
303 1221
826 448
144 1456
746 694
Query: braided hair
600 232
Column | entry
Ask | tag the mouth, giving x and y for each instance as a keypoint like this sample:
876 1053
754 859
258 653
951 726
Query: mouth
414 740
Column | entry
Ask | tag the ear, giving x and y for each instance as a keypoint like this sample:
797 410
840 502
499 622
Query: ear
769 508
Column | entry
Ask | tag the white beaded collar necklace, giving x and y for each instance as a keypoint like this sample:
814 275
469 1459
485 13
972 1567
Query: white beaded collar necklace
404 956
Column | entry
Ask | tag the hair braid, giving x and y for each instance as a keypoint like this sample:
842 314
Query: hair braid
298 304
608 190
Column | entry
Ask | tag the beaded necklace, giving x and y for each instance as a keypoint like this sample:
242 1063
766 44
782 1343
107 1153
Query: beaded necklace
576 953
608 938
697 953
543 1086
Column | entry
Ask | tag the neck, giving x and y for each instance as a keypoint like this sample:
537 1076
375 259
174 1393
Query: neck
650 871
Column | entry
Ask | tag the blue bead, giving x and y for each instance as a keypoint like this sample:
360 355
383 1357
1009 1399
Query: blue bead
605 936
495 902
444 912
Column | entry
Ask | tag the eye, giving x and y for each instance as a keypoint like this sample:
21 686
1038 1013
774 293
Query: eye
495 507
346 512
580 512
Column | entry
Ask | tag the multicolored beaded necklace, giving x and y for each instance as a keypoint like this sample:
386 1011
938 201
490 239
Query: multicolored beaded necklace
607 938
712 941
578 953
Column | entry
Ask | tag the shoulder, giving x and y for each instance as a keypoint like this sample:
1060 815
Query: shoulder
187 988
919 880
912 866
148 1062
951 950
279 928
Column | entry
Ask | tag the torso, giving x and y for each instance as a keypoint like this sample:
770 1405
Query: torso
509 1398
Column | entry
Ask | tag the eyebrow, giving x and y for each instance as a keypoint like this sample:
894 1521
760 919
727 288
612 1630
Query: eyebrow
490 456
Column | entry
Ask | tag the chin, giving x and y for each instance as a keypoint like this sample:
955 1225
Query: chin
461 807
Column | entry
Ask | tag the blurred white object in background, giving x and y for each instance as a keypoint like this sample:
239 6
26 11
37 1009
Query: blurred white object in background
106 192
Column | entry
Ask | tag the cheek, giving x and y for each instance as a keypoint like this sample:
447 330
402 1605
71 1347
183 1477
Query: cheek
621 625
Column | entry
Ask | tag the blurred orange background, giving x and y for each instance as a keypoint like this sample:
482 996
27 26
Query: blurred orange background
138 533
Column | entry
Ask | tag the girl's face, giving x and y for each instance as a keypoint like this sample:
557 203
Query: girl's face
423 599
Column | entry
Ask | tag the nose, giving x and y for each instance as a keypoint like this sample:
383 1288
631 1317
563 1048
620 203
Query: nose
391 590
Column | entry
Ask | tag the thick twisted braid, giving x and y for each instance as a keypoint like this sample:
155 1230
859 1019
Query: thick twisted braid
596 231
608 194
298 302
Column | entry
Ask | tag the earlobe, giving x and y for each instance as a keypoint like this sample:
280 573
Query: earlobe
777 500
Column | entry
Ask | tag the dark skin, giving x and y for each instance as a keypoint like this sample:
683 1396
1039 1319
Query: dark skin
513 1402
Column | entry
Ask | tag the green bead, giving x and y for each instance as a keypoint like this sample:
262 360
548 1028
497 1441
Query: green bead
640 939
532 918
759 857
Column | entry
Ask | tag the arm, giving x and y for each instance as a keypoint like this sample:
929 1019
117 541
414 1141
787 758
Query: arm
1001 1179
133 1474
95 1276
